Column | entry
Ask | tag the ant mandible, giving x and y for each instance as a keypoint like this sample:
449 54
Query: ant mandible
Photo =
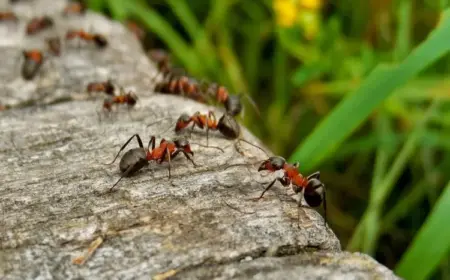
39 24
135 159
33 60
98 39
311 188
106 87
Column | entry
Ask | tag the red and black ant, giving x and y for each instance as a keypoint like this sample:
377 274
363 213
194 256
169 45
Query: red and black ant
54 45
311 188
137 158
106 87
227 126
33 60
8 17
37 25
183 85
74 8
124 98
98 39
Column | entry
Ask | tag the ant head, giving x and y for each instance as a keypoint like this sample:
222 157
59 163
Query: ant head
229 127
233 104
100 41
183 143
182 122
272 164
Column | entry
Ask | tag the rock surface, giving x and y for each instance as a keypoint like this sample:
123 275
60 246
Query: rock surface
201 223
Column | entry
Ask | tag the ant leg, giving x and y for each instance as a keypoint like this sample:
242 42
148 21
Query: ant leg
168 159
125 174
163 156
302 194
192 129
267 188
251 144
185 154
284 181
152 142
126 143
324 207
212 147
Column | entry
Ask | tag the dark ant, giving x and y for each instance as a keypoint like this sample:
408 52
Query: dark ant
106 87
54 45
37 25
227 126
311 188
74 8
162 60
8 17
98 39
124 98
137 30
137 158
33 60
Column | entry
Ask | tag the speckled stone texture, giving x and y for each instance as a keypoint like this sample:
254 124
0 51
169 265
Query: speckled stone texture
200 224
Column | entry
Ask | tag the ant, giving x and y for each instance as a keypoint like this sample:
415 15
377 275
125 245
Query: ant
124 98
181 85
227 126
137 30
231 102
98 39
311 188
106 87
137 158
74 8
37 25
8 17
162 60
54 45
33 60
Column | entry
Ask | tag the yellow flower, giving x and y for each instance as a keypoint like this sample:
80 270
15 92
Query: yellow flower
310 22
310 4
286 12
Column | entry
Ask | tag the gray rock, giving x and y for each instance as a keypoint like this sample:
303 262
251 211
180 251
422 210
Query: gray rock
201 223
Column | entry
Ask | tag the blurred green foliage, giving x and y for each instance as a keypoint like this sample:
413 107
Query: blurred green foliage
356 89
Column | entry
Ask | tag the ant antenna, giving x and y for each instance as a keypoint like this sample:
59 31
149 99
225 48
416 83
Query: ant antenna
206 146
253 103
256 146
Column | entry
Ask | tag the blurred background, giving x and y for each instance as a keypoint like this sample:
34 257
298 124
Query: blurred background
356 89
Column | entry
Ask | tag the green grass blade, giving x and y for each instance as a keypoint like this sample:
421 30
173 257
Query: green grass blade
403 42
157 24
431 244
118 9
355 108
96 5
182 10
